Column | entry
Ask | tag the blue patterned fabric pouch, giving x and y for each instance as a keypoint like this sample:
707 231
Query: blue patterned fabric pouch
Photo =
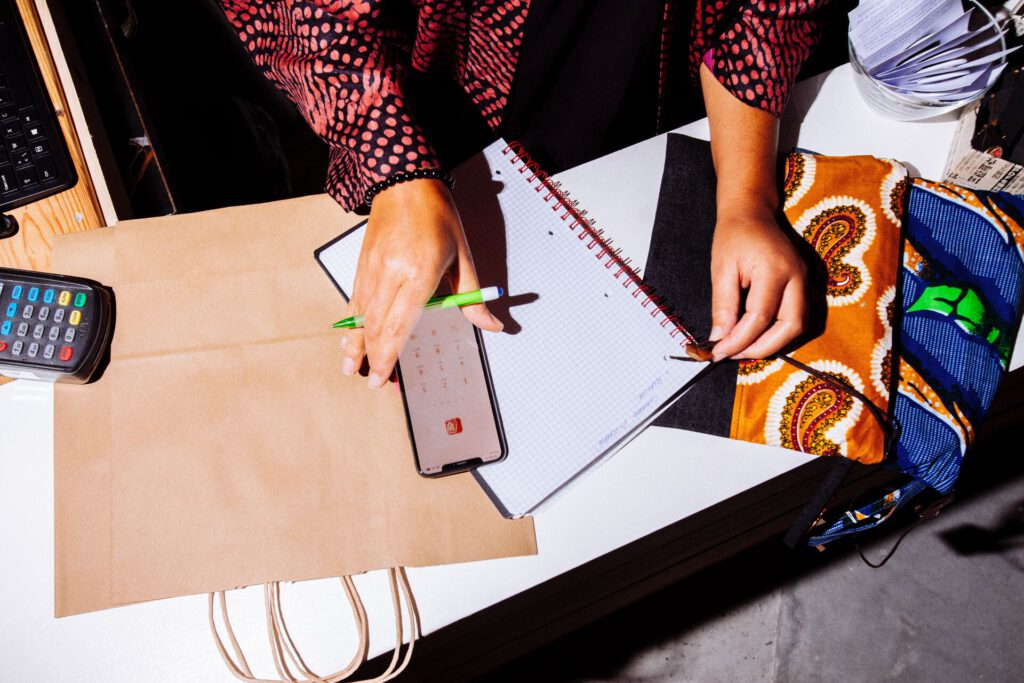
961 283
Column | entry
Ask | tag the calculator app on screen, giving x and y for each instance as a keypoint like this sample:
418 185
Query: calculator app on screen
453 419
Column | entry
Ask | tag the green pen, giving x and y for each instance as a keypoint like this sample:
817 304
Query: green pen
477 296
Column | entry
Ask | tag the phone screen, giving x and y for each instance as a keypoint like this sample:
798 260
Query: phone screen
453 418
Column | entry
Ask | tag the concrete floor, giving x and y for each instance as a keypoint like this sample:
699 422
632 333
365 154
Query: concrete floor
948 607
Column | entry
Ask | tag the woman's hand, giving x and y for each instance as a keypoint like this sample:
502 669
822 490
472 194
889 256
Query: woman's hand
751 253
413 237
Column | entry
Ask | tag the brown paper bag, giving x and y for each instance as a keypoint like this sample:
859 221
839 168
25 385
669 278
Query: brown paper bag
223 447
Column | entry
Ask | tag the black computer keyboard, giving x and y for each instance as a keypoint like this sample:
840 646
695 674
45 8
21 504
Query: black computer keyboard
34 159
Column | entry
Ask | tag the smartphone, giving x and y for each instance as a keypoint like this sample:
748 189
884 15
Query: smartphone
450 408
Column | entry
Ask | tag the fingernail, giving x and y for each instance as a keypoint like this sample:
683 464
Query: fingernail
344 340
716 332
348 366
702 352
376 381
500 324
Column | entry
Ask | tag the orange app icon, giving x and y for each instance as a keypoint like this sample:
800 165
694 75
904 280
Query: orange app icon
453 426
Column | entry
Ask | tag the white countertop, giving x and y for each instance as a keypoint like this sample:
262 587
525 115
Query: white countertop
663 476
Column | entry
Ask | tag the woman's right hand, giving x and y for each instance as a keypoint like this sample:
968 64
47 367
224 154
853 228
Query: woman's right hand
413 237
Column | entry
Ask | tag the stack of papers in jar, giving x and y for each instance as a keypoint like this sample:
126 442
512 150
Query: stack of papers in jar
929 50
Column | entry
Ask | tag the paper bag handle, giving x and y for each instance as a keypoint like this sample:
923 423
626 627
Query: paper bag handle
286 654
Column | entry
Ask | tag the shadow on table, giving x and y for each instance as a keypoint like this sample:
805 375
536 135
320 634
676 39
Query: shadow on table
600 650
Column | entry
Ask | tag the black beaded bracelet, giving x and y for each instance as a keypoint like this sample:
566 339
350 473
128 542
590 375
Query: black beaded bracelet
402 176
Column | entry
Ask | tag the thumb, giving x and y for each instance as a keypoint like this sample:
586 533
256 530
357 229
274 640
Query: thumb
465 280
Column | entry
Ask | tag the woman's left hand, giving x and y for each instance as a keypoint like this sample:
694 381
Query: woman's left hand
751 253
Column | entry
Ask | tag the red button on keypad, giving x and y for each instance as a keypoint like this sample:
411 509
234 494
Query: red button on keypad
3 346
66 352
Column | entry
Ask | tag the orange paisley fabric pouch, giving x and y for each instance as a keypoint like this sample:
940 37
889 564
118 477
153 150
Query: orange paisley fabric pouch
849 211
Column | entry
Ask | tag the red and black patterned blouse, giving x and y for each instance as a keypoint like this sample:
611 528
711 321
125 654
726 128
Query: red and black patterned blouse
342 63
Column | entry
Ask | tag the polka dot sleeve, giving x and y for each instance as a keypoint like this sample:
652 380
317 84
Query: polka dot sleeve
339 62
757 47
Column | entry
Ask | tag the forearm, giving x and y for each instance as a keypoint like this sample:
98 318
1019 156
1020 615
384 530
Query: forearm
744 146
342 70
758 280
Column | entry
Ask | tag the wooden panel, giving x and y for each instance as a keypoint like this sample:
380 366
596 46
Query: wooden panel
69 211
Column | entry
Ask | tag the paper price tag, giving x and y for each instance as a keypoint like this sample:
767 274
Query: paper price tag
980 171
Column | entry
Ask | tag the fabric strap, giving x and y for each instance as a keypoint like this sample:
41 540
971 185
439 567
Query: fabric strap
841 467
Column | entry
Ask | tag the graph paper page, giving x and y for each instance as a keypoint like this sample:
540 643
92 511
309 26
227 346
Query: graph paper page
582 363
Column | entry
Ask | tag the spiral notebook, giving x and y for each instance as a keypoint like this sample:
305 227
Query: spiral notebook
583 364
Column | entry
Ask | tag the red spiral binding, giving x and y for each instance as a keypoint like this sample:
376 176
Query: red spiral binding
593 238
